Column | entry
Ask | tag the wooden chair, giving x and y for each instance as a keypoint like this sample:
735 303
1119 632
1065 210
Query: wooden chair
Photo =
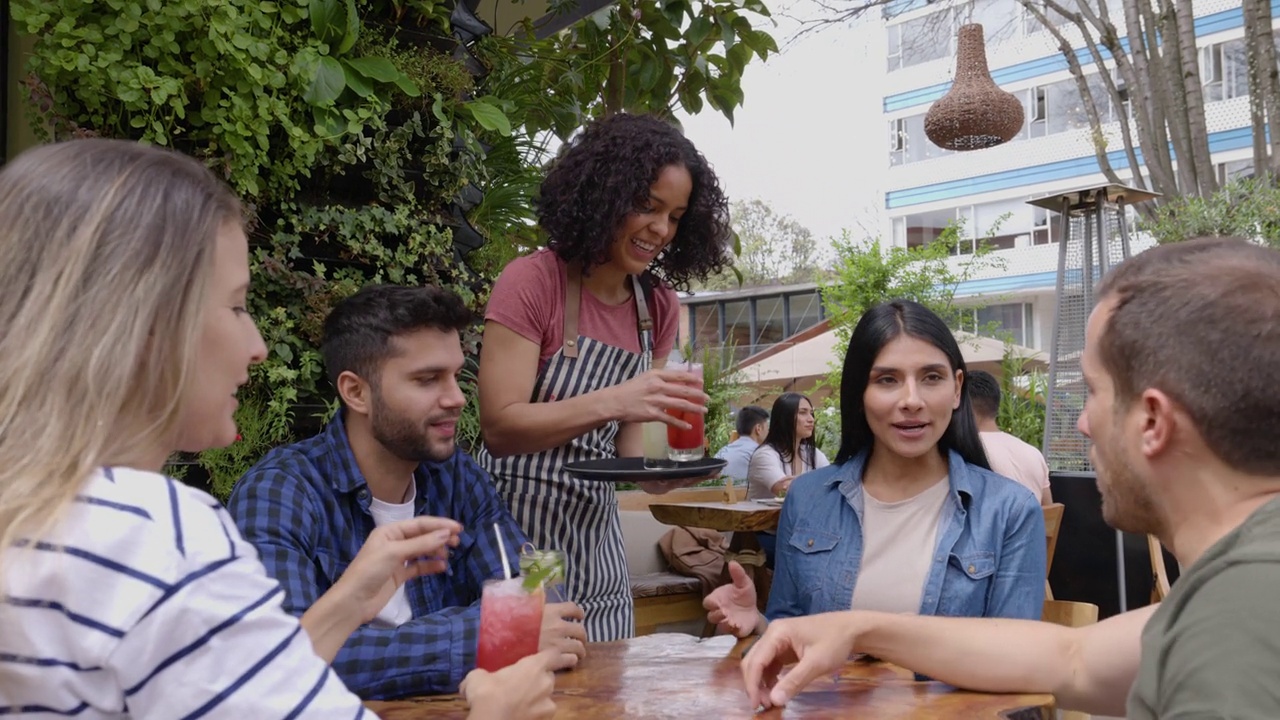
664 598
1052 523
1159 573
1070 614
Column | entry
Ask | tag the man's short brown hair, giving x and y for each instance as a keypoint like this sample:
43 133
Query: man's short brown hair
1200 321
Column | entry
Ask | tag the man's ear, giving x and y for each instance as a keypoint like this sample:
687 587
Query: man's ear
356 394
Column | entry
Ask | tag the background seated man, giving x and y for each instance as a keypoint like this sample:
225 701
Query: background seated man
1008 454
394 355
752 424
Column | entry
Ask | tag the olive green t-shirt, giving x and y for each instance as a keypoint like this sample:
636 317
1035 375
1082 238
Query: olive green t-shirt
1212 649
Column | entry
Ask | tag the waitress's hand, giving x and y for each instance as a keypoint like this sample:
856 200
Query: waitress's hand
647 397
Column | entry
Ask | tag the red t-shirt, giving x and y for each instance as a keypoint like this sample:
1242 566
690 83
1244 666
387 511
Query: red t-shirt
529 295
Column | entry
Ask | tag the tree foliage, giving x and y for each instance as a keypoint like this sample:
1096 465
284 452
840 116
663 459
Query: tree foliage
373 140
773 249
1246 207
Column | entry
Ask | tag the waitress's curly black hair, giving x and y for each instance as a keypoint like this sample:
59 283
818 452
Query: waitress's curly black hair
604 174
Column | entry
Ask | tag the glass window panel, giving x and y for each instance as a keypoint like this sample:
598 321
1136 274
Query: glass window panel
1000 19
1235 69
926 227
769 322
1002 223
706 325
926 38
804 310
1065 109
1003 322
737 327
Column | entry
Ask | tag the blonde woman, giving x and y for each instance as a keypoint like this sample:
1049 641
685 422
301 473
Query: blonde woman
124 337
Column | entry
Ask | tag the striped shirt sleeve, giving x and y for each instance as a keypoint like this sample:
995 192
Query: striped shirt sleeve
217 643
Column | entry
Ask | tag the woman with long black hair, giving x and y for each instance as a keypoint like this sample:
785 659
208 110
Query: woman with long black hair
788 450
910 518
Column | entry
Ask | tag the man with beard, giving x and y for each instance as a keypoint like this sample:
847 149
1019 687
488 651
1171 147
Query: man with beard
1182 367
394 355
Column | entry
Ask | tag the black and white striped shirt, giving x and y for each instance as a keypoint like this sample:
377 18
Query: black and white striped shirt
146 602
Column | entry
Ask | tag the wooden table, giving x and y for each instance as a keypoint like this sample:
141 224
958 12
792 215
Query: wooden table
741 517
680 676
744 519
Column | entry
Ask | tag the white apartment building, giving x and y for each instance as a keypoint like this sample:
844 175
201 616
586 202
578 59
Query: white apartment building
928 187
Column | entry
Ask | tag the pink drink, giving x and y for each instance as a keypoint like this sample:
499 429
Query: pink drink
510 624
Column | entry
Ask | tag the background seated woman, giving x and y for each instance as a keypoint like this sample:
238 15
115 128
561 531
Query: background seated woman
910 519
786 453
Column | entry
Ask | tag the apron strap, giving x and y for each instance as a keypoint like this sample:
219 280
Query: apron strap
572 304
644 323
573 307
643 320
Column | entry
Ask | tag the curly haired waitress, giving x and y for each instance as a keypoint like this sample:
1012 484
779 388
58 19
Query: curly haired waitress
631 211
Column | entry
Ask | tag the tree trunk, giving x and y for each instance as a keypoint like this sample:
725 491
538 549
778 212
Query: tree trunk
1107 31
1257 93
1262 37
1197 126
1146 97
1171 98
1086 97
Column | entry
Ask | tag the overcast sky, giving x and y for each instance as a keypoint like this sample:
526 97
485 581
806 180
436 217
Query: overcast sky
809 140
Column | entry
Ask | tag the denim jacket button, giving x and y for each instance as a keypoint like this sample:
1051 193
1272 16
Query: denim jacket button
810 543
972 569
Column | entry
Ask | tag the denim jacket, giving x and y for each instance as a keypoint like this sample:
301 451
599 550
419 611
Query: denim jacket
990 559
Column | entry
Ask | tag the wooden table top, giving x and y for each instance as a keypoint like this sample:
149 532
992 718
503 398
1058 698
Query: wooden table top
745 516
680 676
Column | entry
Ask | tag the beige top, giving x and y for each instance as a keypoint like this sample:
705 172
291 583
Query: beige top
898 539
766 468
1016 460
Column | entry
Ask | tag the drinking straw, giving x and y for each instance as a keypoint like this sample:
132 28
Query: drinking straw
502 550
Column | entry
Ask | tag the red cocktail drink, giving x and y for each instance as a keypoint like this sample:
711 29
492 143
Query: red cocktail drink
688 444
510 623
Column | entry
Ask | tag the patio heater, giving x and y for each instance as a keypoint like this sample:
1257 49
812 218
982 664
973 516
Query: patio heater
1093 236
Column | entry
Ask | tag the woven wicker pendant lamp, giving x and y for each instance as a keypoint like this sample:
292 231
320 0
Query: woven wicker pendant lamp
975 113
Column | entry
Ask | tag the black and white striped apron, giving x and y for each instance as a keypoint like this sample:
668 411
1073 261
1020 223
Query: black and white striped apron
560 512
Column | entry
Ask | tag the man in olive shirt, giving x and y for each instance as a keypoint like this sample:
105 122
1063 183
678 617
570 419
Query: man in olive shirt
1182 365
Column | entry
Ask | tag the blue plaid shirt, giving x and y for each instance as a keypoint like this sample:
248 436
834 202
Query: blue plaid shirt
306 508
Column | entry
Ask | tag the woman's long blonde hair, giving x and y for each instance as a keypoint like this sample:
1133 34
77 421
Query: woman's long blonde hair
105 251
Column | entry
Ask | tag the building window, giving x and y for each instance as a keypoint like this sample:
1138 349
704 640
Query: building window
1044 226
1010 322
920 40
1224 73
771 322
1234 169
804 310
898 141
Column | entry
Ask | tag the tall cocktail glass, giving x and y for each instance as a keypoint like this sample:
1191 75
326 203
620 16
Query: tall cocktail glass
510 623
688 444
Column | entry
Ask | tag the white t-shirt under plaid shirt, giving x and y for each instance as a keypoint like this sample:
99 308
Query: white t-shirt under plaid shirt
145 602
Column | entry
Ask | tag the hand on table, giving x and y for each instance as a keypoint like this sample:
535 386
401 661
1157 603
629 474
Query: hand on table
781 487
819 644
393 554
732 607
517 692
648 396
563 634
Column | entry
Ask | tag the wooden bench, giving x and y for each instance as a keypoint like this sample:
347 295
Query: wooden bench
663 599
